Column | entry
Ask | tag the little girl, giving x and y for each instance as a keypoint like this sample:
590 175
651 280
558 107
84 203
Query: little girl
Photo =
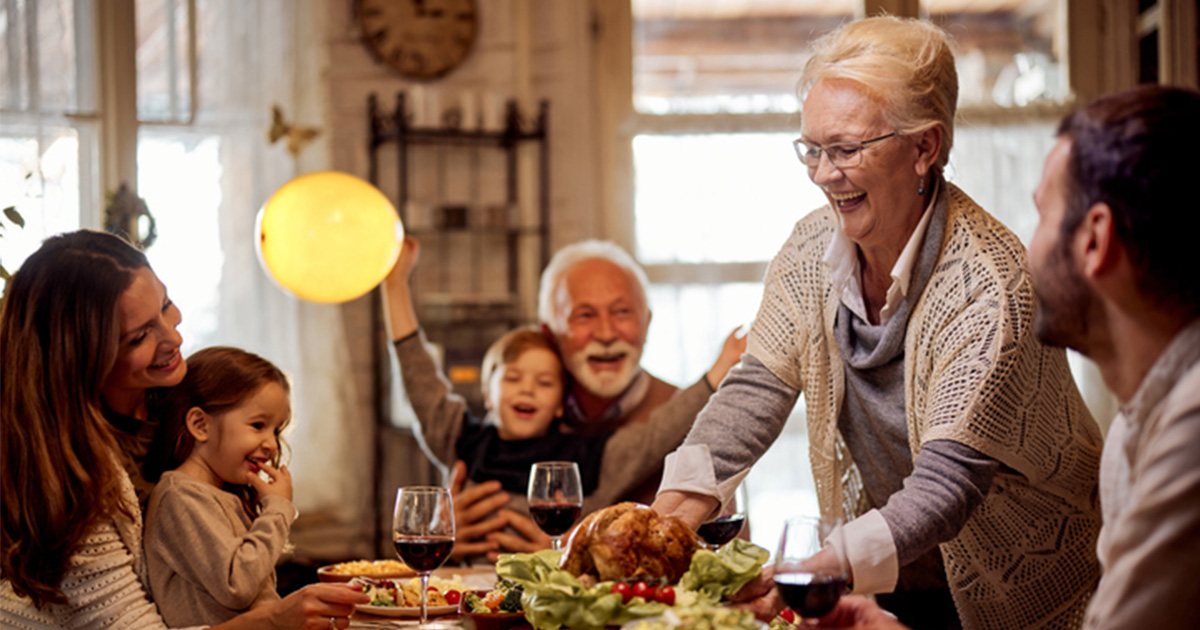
214 527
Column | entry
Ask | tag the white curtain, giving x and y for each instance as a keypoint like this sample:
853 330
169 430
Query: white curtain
205 182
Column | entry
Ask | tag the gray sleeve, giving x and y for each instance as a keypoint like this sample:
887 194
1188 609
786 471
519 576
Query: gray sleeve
636 450
743 418
439 411
948 481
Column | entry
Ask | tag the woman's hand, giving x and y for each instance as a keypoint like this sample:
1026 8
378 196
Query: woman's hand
471 509
314 607
760 596
531 537
280 484
861 613
693 509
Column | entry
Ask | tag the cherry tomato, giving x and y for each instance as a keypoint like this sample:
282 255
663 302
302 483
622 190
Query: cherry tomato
622 589
432 588
643 590
452 597
666 595
788 615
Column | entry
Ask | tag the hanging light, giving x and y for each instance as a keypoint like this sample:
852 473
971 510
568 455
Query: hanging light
328 236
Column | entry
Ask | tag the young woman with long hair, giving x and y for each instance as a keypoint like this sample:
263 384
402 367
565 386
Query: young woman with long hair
87 327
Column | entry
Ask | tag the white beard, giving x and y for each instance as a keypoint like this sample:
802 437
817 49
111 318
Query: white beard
606 384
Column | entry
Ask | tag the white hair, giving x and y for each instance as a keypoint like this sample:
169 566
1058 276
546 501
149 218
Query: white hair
568 257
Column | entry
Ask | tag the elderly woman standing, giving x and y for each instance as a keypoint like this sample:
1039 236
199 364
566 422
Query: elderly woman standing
955 444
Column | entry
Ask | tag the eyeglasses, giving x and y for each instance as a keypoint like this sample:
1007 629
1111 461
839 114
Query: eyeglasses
841 154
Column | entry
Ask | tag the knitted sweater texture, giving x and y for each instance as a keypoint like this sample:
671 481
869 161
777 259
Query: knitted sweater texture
974 374
105 583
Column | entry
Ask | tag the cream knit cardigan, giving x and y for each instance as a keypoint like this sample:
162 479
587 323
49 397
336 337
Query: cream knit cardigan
975 374
105 582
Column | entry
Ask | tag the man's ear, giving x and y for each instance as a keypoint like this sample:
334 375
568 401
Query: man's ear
929 146
198 424
1096 244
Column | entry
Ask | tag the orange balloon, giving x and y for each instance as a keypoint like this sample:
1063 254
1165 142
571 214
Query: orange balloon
328 236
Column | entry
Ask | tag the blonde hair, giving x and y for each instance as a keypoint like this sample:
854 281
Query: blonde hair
906 63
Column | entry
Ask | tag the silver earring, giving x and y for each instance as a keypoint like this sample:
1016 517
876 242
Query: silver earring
921 188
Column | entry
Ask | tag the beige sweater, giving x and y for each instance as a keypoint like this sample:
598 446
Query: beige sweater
1150 490
102 584
974 374
208 560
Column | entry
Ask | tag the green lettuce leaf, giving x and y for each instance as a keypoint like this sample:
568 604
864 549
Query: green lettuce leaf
714 575
554 598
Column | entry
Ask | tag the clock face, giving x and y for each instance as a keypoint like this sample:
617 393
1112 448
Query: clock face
422 39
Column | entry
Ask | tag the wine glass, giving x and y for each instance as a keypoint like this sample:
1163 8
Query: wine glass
811 571
423 532
555 498
729 524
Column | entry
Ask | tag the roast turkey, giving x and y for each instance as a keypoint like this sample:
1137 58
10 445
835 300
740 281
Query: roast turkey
630 540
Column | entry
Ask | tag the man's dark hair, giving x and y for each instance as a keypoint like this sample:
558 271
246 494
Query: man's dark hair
1139 152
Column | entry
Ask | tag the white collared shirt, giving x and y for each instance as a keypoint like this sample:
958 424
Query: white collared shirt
842 259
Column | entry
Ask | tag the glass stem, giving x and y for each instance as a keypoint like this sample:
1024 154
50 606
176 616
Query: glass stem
556 542
424 596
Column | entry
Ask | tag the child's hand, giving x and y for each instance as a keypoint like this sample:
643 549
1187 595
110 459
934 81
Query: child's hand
280 484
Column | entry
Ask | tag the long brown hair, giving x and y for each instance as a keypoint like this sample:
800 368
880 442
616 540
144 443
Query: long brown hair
58 342
219 379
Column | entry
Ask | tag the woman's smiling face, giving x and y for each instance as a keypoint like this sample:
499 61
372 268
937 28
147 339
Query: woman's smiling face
148 347
877 200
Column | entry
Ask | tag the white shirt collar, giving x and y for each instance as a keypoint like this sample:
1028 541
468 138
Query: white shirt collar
842 259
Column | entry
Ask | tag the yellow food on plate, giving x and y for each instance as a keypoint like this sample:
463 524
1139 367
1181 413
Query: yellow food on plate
370 569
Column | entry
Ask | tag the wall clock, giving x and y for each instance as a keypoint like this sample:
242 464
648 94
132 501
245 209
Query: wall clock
420 39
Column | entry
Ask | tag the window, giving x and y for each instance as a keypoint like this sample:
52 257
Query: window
207 74
48 128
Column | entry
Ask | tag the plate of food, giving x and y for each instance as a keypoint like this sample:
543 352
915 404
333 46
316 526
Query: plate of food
370 569
397 598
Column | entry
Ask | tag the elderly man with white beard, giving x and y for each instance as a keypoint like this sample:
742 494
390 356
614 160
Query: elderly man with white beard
592 300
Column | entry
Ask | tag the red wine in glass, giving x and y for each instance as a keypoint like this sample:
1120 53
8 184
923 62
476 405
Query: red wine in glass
555 498
812 595
811 571
423 532
423 553
721 530
555 519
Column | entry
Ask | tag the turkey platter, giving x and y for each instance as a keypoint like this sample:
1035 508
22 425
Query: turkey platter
628 541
